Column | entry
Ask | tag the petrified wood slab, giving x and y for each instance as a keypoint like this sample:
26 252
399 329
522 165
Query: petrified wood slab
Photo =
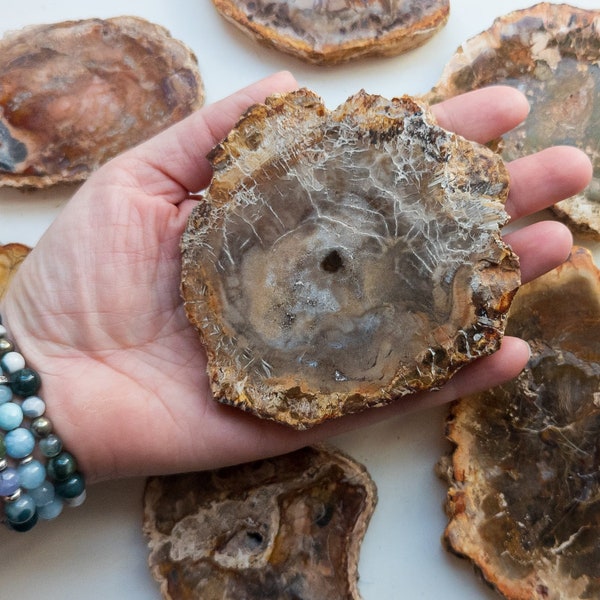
332 31
524 496
341 259
11 257
285 527
551 52
75 94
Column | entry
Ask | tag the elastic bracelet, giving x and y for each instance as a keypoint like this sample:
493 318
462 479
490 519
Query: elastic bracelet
37 476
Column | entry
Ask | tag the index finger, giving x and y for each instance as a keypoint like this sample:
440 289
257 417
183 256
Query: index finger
180 152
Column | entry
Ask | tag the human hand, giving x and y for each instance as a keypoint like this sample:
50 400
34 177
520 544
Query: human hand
96 308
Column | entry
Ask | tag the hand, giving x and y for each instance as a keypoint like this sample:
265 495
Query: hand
96 308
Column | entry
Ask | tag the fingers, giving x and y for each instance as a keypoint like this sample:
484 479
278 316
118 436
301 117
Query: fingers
540 247
544 178
483 114
179 153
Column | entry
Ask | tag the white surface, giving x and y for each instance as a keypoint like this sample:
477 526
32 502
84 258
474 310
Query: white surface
97 551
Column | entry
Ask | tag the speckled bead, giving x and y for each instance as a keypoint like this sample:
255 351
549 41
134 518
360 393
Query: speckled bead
19 442
11 416
72 487
12 362
50 446
51 510
25 382
6 394
43 494
62 467
21 514
33 407
32 474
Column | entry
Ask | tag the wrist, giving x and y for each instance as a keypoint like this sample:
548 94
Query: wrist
37 475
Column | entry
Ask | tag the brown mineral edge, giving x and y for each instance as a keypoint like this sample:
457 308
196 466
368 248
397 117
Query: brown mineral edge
524 495
75 94
288 528
551 52
11 257
342 259
333 31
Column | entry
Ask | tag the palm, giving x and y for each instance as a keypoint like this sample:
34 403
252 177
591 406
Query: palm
97 310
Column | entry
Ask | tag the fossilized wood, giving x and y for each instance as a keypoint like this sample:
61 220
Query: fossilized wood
11 257
77 93
342 259
285 527
332 31
551 52
524 495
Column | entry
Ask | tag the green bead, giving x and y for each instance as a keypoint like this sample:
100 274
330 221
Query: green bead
62 467
25 382
70 488
2 447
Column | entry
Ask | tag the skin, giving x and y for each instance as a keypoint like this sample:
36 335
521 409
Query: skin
96 308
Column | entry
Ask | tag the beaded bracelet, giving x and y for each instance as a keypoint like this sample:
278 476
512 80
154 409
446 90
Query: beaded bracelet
35 482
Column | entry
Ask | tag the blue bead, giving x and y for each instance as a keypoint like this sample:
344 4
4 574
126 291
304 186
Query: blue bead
6 394
11 416
50 446
19 442
42 495
33 407
26 525
70 488
9 482
20 510
32 474
51 510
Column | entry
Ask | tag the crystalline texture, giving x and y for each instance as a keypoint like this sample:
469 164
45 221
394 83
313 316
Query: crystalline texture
342 259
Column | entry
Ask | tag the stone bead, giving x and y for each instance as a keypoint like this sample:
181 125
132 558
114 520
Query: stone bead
25 382
33 407
20 510
3 331
9 482
19 442
11 416
70 488
12 362
2 447
6 394
50 446
76 501
42 426
32 474
62 467
6 346
51 510
43 494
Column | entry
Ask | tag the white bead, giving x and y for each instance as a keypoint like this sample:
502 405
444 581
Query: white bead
33 407
3 331
12 361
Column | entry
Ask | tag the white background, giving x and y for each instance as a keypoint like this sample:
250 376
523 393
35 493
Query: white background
98 551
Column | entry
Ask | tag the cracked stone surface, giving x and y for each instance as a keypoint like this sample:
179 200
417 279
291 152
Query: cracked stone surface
551 52
524 495
75 94
332 31
11 257
288 527
342 259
